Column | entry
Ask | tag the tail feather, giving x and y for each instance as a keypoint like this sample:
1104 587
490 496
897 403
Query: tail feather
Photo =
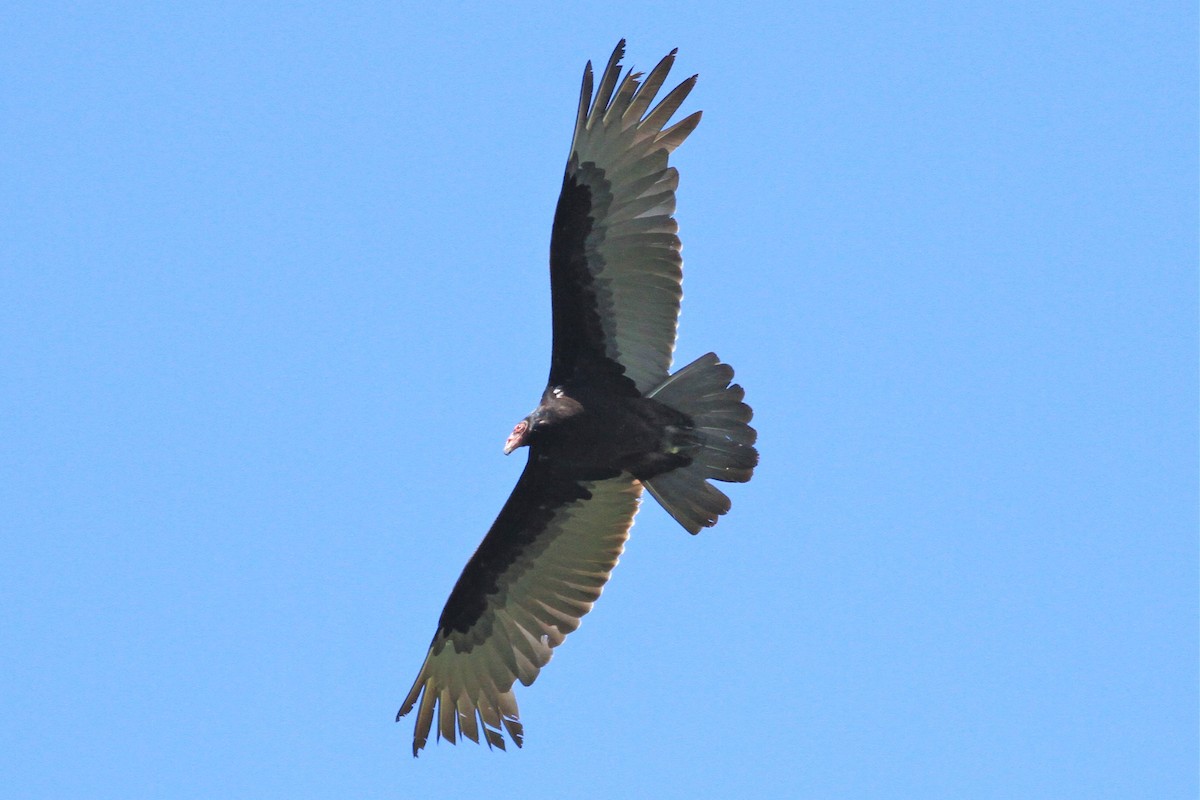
722 440
695 504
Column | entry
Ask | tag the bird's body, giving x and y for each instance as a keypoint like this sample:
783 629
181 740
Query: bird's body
595 434
610 422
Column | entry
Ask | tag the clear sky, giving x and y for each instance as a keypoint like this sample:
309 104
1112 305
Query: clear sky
273 291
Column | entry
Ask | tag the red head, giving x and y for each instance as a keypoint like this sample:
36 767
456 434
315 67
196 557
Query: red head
518 438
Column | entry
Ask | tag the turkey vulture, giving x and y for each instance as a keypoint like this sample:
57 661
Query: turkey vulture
610 422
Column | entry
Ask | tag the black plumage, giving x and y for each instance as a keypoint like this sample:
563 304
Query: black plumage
611 421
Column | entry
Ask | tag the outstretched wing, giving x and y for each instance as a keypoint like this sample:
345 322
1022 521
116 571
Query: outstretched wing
538 571
615 268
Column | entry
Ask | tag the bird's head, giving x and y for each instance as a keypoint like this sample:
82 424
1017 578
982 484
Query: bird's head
519 436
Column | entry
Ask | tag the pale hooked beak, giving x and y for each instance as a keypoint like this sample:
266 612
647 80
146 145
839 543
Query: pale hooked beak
516 438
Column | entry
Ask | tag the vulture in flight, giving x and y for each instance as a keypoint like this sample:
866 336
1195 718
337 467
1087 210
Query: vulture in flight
612 420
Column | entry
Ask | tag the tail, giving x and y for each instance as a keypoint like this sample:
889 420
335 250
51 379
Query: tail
722 439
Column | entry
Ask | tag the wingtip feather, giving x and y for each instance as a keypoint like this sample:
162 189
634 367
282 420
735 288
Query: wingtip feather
608 82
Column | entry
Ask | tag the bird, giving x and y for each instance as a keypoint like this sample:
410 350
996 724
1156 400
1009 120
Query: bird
612 421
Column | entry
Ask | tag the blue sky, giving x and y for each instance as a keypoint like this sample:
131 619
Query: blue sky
275 292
